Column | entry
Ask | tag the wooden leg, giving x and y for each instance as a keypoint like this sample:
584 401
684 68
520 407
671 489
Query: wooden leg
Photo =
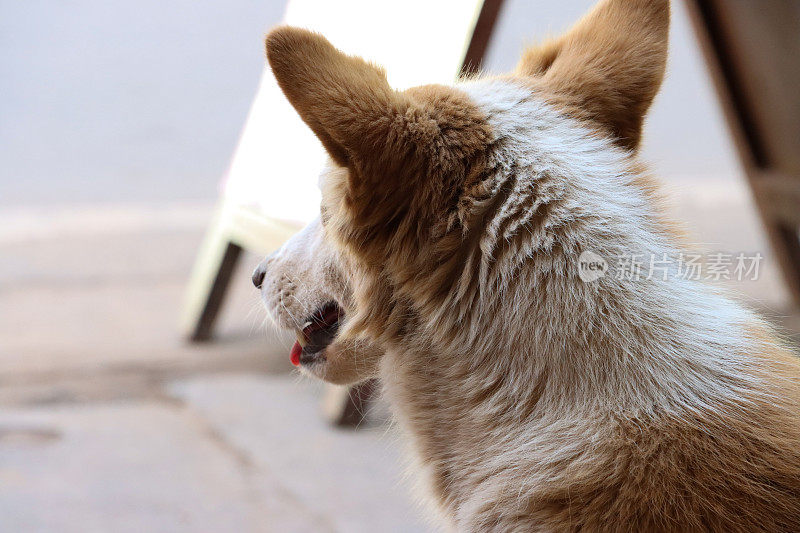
348 406
786 243
212 273
216 294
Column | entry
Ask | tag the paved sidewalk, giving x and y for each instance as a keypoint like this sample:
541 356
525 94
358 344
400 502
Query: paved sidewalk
223 452
111 422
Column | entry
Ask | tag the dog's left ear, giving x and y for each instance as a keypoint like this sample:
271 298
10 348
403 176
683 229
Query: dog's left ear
609 67
387 138
397 146
343 99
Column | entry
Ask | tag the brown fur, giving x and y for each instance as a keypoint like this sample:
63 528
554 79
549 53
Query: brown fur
613 90
537 402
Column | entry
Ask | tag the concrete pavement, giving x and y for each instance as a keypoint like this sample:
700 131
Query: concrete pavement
109 421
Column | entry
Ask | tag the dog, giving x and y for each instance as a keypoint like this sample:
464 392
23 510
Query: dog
446 261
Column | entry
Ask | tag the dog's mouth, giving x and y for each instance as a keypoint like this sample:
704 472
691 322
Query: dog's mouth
317 333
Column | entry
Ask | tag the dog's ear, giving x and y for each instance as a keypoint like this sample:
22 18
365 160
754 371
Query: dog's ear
343 99
609 67
397 146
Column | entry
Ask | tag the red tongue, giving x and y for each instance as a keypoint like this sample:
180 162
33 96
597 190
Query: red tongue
296 351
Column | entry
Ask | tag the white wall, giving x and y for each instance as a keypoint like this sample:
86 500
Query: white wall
111 100
144 100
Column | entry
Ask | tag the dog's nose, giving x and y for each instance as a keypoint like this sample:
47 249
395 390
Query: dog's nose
258 276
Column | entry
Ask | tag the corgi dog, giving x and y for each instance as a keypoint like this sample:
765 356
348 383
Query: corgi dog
446 261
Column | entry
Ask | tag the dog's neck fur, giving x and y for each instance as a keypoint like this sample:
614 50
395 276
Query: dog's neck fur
528 348
566 190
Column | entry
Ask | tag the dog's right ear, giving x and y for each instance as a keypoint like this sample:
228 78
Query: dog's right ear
609 67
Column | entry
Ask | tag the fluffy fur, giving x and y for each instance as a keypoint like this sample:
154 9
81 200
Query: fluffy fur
536 401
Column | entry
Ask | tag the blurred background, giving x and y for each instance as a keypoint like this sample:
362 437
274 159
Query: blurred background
118 121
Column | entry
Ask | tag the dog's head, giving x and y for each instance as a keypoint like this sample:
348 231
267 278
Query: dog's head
423 205
306 288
